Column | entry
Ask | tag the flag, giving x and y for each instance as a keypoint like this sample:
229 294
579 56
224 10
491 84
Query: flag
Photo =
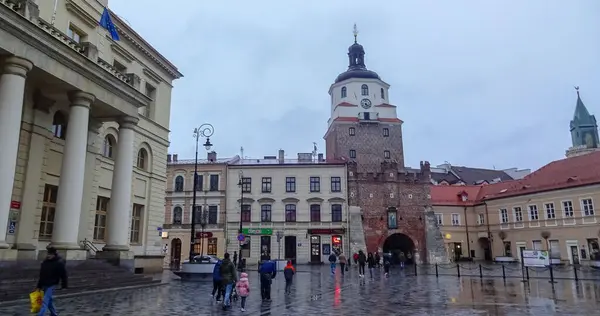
107 23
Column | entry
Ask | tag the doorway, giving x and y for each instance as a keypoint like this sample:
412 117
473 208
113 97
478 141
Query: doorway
399 243
484 243
574 254
315 249
290 249
265 247
175 253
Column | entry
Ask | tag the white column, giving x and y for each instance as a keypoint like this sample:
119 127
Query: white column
70 185
12 90
119 213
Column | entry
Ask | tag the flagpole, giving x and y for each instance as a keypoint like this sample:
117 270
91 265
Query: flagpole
54 12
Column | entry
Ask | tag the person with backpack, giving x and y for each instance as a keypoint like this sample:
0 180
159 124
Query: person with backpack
228 278
332 262
288 273
362 261
217 291
243 289
267 272
355 257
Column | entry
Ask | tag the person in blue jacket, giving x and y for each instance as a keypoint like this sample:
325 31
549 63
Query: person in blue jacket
217 286
268 271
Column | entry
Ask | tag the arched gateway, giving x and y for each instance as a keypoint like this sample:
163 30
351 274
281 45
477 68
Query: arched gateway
397 243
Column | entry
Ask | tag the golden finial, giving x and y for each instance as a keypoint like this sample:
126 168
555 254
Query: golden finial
355 32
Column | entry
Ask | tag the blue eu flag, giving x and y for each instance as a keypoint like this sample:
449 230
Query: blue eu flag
107 23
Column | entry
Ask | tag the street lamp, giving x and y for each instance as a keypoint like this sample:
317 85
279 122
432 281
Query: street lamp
204 130
241 185
279 235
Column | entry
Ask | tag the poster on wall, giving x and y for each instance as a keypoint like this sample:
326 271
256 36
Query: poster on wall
536 258
326 249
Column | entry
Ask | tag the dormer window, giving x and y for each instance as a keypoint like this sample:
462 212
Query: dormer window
464 196
364 89
344 92
382 94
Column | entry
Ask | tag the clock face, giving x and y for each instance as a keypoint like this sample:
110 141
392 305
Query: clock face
365 103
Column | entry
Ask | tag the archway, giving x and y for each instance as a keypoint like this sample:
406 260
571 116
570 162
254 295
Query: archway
399 243
485 245
175 253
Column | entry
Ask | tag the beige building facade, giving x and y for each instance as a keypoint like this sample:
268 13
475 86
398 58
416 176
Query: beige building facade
211 204
303 199
85 123
550 209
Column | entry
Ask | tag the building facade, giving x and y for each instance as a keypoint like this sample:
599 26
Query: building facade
584 130
85 134
552 208
388 201
303 200
211 204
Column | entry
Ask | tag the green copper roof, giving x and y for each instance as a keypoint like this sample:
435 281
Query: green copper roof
582 115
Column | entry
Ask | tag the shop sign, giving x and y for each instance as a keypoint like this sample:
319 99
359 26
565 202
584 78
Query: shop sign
257 231
325 231
204 235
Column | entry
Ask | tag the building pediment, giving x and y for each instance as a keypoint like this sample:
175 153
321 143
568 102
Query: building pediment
315 200
246 200
266 200
336 200
290 200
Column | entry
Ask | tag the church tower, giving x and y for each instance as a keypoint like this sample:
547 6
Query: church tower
584 130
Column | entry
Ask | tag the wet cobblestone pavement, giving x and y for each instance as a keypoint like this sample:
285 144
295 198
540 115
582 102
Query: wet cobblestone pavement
316 291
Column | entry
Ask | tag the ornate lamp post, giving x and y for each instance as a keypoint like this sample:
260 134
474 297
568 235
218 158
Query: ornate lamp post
204 130
240 234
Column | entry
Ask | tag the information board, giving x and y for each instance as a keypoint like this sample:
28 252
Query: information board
536 258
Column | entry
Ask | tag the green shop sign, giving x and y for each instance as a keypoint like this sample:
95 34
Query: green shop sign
257 231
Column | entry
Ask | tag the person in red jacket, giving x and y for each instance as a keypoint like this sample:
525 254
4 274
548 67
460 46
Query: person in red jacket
355 257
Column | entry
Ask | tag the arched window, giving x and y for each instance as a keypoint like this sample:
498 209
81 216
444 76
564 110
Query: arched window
142 159
179 184
364 89
344 92
59 125
382 94
108 146
177 215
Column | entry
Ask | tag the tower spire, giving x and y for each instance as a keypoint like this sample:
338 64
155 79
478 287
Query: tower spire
355 32
577 89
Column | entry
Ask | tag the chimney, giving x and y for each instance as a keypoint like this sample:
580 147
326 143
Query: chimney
168 157
321 157
174 157
211 156
281 156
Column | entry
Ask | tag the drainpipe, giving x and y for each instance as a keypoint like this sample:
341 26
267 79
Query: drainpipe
490 237
467 229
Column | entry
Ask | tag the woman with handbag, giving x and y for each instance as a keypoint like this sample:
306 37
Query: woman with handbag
343 262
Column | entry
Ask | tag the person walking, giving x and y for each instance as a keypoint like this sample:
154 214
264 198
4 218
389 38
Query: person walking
267 272
288 273
217 291
332 262
52 272
235 261
377 259
228 278
355 257
386 266
362 260
371 263
343 263
243 290
402 259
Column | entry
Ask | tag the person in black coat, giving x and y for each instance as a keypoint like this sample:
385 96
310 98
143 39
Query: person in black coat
52 272
371 263
362 260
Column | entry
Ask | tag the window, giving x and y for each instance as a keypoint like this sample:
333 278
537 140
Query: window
179 184
315 184
136 223
199 182
266 184
211 248
455 219
48 211
503 216
213 214
386 132
119 67
364 90
550 214
382 93
480 219
537 244
246 213
59 125
290 212
392 218
344 92
336 184
150 93
290 184
439 219
507 250
533 213
336 213
177 215
265 213
351 131
100 220
386 154
75 34
352 153
214 182
315 213
588 207
142 159
568 208
197 214
518 214
107 147
246 185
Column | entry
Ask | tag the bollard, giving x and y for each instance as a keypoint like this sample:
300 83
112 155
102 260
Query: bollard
575 272
503 272
458 269
480 272
551 274
436 270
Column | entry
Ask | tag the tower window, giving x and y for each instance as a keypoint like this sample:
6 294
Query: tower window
352 131
386 154
344 92
386 132
364 89
352 153
382 94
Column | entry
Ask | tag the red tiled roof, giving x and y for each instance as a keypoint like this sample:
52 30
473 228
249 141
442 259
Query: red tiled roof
559 174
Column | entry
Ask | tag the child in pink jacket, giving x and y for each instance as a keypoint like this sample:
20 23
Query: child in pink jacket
243 289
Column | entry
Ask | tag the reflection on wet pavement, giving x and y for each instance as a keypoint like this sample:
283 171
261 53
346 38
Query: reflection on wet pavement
316 291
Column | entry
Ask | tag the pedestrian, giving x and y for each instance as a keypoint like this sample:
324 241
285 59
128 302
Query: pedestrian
243 289
402 259
355 257
267 272
371 263
228 278
362 260
377 259
52 272
343 263
288 273
332 262
235 261
386 266
217 291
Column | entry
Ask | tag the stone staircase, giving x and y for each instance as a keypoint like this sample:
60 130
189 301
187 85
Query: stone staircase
16 282
357 233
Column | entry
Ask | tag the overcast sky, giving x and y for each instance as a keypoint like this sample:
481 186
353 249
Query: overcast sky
476 84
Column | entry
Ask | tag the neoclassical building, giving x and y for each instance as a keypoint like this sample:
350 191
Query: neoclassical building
85 123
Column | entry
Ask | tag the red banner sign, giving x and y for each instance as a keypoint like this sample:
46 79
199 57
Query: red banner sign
15 204
325 231
204 235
